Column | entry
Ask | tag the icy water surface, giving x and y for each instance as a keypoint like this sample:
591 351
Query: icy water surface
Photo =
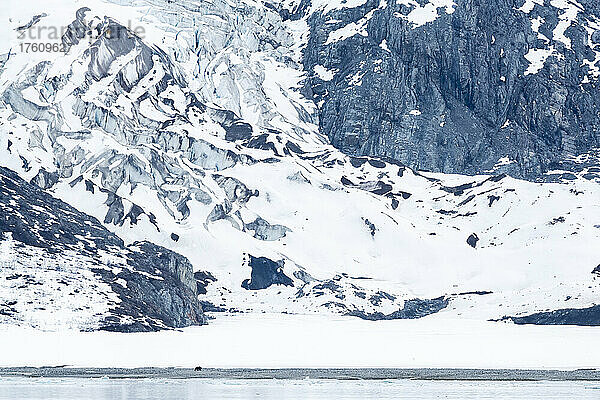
16 388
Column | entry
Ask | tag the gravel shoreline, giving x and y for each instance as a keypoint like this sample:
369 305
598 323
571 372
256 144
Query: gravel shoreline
303 373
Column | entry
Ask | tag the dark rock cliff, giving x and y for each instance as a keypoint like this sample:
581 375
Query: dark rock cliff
457 94
589 316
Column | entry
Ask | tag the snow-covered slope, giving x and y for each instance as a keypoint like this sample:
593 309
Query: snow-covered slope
197 135
60 268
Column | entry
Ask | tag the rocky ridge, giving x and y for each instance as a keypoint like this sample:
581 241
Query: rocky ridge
62 268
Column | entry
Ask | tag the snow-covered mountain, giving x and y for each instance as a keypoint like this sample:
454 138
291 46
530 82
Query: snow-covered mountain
206 128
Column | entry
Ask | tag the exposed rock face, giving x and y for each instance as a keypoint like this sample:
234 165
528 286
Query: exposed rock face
45 179
150 287
569 316
160 290
265 272
474 83
472 240
203 279
413 309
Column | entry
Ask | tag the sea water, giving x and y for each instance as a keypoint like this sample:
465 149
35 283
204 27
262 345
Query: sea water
16 388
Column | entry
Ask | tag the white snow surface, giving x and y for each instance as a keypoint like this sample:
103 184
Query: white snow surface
280 341
423 14
324 73
528 5
537 58
51 291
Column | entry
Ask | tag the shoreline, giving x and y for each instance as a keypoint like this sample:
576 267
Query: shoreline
427 374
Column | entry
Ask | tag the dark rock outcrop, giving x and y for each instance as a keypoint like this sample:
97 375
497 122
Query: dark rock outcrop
45 179
413 309
371 226
472 240
265 272
569 316
160 291
203 279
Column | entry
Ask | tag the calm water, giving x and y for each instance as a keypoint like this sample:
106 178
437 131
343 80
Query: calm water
177 389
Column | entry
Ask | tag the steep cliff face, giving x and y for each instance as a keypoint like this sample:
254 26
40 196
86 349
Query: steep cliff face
465 87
